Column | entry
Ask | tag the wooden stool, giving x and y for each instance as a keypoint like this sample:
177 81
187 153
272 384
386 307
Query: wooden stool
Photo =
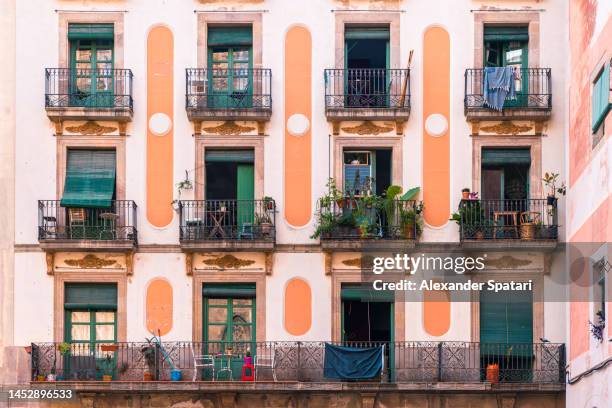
503 214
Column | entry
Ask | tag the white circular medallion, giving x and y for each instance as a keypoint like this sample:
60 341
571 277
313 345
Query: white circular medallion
160 124
436 125
298 124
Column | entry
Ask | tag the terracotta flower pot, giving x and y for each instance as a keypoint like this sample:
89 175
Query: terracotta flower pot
493 373
465 195
109 347
147 376
409 231
106 377
40 378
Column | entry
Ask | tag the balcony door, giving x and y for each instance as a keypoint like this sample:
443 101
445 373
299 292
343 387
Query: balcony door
230 63
366 54
91 63
508 47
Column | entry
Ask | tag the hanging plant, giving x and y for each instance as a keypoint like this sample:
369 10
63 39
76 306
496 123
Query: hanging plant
597 329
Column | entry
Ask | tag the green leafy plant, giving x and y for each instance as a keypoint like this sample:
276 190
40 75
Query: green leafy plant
550 181
63 348
262 218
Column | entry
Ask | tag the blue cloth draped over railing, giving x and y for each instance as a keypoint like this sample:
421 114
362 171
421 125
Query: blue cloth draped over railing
498 86
352 363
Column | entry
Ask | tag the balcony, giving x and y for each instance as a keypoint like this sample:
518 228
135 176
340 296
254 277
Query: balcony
227 225
113 228
529 224
533 96
367 94
287 365
222 94
88 94
356 223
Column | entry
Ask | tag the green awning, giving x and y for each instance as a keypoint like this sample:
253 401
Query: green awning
506 156
366 33
90 31
90 179
90 296
222 290
506 33
231 156
366 294
228 36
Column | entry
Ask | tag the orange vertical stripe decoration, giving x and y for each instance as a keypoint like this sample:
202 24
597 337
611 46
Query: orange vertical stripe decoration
436 150
298 101
436 312
159 307
160 93
298 307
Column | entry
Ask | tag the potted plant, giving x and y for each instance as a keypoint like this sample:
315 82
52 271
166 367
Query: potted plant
465 193
471 219
597 329
493 373
264 222
268 203
550 182
109 347
107 367
149 352
327 223
528 225
411 222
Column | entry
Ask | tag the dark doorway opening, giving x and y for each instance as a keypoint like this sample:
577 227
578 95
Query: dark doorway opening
367 321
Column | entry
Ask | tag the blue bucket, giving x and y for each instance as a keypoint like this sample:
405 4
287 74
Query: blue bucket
175 375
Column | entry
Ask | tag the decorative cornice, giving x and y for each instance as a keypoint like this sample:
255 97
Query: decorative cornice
367 128
507 262
228 128
228 262
90 261
359 262
91 128
506 128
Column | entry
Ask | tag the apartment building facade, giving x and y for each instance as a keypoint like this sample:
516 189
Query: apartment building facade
219 174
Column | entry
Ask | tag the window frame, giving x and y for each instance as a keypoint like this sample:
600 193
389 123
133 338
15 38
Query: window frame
600 93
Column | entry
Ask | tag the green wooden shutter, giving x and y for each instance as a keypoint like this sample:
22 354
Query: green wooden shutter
506 317
228 36
506 156
90 179
224 290
90 296
366 33
90 31
600 99
245 194
235 156
506 33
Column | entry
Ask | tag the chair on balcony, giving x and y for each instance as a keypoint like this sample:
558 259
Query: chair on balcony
265 362
246 231
202 361
77 218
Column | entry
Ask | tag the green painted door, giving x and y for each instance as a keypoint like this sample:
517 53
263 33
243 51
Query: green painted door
92 82
245 194
230 77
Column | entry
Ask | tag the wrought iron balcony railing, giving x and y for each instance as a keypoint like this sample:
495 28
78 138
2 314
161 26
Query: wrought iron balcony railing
354 218
367 89
116 223
226 220
228 89
88 88
404 362
529 219
533 89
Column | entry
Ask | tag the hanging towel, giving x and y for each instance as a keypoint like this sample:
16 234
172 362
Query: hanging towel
352 363
498 86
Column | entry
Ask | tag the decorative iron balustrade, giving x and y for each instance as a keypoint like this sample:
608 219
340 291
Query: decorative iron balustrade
88 88
404 362
368 217
367 88
228 89
214 220
116 223
533 89
529 219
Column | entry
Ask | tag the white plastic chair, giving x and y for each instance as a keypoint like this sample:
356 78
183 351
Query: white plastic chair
266 362
202 361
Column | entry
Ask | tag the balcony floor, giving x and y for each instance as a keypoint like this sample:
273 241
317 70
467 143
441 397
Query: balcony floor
228 245
57 114
367 244
541 245
86 245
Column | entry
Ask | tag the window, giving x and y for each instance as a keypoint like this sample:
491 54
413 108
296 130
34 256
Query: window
600 98
90 321
230 63
366 171
91 63
505 173
599 289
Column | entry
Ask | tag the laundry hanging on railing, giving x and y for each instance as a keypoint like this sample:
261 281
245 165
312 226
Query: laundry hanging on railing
499 85
352 363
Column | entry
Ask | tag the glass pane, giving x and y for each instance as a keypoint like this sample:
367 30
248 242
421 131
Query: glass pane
514 56
242 55
104 68
356 158
241 68
219 84
219 55
80 317
82 66
212 301
105 332
242 315
219 68
241 84
242 302
217 315
104 55
83 55
103 84
242 333
105 317
217 332
84 84
80 332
